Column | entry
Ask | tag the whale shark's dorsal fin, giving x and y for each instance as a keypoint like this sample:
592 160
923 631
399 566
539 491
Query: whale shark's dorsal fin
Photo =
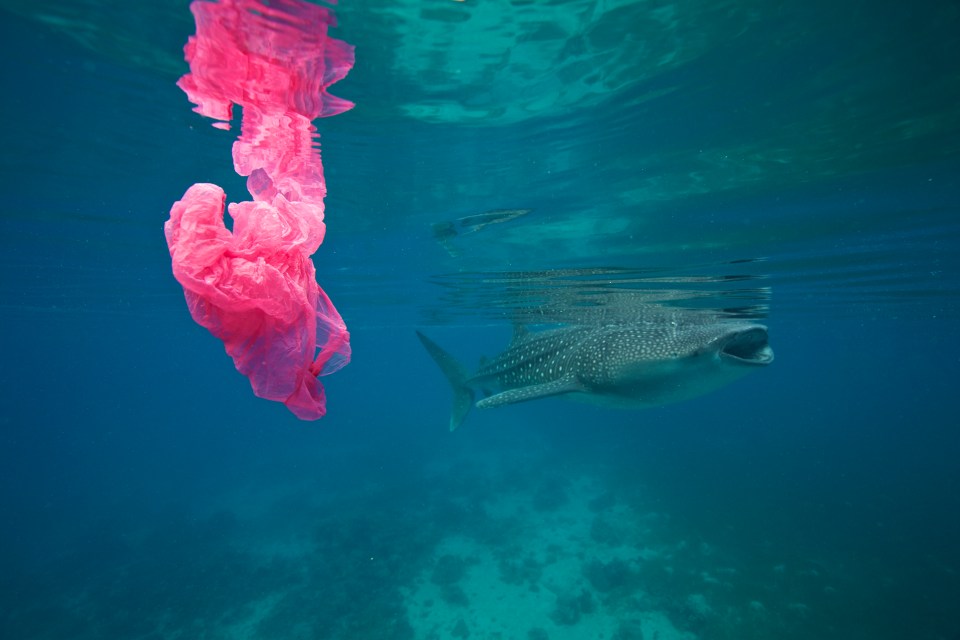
566 384
519 333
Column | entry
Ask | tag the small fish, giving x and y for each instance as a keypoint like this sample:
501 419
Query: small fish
665 355
478 221
445 231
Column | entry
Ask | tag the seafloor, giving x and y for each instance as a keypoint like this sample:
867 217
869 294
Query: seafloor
485 545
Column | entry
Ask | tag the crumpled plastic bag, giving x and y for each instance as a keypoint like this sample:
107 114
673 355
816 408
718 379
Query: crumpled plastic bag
255 287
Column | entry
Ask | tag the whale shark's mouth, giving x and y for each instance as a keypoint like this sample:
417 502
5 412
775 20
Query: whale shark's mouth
749 346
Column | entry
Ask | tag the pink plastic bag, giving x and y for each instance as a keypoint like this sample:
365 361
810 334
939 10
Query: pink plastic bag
255 287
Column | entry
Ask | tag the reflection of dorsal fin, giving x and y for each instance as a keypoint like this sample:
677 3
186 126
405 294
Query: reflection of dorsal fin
519 332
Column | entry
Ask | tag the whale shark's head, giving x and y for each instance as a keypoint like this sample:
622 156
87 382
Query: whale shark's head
653 364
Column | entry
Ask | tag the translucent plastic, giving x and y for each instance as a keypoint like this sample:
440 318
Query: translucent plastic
255 287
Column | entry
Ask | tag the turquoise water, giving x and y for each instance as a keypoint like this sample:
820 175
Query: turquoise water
795 163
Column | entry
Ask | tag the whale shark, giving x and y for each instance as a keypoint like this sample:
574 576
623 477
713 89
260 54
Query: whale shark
660 357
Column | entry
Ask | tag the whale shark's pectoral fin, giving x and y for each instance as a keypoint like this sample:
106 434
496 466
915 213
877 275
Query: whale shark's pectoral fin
568 384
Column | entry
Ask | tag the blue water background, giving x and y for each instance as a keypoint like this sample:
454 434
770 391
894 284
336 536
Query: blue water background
140 478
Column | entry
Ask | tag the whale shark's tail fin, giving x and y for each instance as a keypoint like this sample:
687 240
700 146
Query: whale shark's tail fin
456 375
